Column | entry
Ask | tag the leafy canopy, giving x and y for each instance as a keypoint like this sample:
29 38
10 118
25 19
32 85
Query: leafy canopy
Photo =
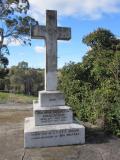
15 24
92 87
101 39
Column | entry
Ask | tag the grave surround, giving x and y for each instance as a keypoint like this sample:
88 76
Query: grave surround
52 122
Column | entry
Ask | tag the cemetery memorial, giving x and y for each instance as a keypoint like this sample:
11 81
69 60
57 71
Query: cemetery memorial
52 123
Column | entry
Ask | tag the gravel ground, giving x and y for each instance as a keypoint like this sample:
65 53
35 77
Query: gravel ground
98 146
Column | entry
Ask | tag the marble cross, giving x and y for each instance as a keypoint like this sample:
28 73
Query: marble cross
51 33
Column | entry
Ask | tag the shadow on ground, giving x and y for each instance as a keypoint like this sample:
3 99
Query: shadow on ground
97 136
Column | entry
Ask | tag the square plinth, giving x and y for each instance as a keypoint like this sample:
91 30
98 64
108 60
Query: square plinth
51 99
52 115
52 135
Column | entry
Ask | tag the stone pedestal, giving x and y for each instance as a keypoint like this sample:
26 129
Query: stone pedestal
51 99
52 123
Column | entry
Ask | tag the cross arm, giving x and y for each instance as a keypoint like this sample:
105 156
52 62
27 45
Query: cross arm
38 32
63 33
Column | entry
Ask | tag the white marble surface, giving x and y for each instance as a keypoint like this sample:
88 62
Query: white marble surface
52 115
52 135
51 99
51 81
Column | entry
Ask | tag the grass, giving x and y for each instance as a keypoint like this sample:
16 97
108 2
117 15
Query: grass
15 98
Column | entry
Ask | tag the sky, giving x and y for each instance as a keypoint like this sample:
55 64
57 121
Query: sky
81 16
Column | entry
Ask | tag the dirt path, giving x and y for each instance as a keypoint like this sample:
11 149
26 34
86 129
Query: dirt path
98 146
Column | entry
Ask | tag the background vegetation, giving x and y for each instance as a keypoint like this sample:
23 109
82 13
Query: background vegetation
22 79
92 87
15 25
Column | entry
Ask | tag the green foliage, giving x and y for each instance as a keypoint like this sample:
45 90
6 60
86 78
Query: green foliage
3 62
101 38
8 7
15 25
25 80
22 79
92 87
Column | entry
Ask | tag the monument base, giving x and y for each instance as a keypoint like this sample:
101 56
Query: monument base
52 115
52 135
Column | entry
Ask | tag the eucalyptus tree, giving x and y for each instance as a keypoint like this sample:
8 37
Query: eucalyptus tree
15 25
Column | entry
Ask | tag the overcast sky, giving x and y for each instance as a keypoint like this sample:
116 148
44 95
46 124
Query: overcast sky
83 16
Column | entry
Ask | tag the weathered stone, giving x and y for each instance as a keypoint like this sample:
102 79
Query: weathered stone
51 33
51 99
54 115
52 135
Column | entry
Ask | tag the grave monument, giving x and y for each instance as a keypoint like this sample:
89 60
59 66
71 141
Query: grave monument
52 122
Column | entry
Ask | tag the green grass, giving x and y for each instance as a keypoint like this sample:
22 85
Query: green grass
15 98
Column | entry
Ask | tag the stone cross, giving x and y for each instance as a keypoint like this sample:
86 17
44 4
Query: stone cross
51 33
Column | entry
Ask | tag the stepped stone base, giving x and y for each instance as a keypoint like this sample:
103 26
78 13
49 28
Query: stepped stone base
52 115
52 123
52 135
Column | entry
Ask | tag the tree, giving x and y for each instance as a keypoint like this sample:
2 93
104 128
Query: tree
3 60
101 39
92 87
25 80
16 25
23 65
13 24
104 47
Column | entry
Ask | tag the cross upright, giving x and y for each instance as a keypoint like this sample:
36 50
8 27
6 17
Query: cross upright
51 33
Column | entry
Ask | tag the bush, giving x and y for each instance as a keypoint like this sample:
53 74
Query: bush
98 104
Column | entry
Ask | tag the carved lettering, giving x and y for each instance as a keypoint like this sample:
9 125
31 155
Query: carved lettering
55 134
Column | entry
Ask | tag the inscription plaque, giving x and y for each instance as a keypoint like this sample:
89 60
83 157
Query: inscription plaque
55 133
54 116
50 99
